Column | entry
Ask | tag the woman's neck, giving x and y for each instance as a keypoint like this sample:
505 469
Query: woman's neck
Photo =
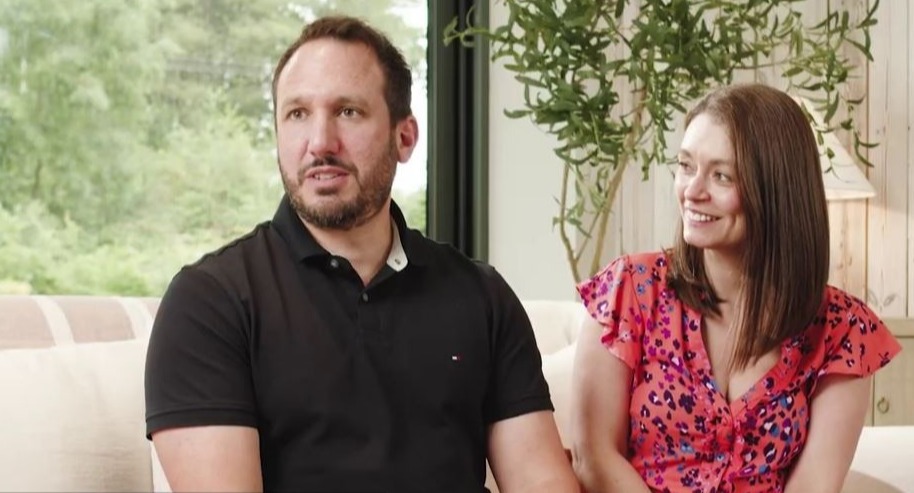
725 273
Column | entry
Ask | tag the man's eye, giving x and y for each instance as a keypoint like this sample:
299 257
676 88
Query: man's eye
349 112
296 114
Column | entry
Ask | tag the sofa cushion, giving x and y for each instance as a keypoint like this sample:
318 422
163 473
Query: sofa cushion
555 323
882 462
858 482
72 418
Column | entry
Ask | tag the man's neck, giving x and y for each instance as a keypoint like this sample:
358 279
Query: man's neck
366 246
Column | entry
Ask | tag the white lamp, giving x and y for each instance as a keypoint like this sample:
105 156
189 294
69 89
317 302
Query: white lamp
843 178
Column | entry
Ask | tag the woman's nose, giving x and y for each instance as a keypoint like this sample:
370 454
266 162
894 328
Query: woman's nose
696 188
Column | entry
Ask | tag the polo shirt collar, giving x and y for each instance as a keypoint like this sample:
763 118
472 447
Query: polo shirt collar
396 259
407 247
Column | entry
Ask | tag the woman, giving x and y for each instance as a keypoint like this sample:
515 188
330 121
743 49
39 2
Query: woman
726 364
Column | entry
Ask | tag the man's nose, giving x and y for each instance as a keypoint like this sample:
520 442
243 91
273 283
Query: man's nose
324 139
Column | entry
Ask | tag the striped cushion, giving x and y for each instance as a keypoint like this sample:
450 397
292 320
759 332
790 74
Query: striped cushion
45 321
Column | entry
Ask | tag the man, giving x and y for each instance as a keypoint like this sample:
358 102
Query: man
333 349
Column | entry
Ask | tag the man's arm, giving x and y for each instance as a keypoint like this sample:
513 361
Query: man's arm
210 458
526 455
200 407
837 412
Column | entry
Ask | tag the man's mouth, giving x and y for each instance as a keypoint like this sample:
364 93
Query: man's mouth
325 176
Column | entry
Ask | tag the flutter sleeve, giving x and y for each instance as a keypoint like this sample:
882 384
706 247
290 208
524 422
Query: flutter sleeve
610 298
857 342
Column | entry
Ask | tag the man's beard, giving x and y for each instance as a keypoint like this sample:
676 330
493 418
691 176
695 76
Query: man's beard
373 192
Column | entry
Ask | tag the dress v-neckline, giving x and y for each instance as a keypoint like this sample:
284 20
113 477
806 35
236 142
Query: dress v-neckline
741 402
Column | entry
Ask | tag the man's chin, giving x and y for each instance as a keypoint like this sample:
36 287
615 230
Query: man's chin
341 217
333 212
323 204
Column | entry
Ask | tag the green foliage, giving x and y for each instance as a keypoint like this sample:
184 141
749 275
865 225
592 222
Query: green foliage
137 135
226 184
607 80
40 253
32 243
414 208
69 115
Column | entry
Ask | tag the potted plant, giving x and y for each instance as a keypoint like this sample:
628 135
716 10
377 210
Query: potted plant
609 78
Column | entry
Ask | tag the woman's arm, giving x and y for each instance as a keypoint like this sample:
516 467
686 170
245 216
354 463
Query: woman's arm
600 420
837 412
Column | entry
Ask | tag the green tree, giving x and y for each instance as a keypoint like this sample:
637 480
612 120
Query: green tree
136 135
73 84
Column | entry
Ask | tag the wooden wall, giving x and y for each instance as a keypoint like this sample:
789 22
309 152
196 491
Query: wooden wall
890 215
872 241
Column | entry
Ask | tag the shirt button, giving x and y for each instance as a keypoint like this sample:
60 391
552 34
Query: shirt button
365 297
334 263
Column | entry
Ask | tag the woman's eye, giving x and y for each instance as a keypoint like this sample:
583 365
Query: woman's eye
684 166
723 177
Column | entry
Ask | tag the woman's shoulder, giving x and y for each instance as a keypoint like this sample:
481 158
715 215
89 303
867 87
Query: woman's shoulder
640 264
645 267
654 258
848 337
630 277
841 307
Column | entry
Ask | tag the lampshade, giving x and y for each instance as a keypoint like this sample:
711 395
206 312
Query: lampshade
843 178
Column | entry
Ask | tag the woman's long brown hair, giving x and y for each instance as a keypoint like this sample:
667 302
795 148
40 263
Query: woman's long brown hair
785 260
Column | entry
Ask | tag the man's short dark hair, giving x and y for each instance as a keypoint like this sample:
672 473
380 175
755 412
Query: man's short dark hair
397 76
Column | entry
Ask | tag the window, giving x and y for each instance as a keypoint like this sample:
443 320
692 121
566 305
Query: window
136 136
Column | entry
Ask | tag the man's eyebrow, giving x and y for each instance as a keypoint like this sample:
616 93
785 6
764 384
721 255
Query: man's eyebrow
357 101
293 101
340 101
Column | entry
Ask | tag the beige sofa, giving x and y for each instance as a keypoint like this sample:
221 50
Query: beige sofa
71 377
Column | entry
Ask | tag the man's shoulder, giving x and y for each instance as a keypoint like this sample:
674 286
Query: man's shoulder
230 272
241 251
447 262
446 256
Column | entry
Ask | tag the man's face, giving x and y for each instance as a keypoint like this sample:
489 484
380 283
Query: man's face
337 150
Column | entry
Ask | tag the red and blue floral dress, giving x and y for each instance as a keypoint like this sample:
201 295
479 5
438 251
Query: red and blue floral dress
685 436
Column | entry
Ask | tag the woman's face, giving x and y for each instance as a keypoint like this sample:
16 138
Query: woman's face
712 215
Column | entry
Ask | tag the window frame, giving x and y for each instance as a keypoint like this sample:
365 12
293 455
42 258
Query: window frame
457 192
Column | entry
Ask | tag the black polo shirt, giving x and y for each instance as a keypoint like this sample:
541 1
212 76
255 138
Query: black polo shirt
388 387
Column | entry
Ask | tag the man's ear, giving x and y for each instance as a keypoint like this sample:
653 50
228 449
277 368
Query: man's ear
407 135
